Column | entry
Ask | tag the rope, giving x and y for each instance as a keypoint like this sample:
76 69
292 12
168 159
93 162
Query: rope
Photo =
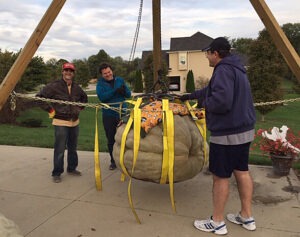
276 102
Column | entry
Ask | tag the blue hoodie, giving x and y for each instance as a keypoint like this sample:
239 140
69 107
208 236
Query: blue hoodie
108 94
227 99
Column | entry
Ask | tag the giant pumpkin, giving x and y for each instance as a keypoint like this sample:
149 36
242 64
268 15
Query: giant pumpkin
188 151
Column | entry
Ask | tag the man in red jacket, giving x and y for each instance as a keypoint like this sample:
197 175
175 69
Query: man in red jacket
65 119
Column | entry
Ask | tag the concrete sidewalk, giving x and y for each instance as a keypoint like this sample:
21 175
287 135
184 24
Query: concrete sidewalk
74 208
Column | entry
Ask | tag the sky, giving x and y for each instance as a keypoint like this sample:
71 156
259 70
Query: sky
83 27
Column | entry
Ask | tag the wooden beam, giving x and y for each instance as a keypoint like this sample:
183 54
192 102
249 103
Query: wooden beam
156 39
24 58
280 40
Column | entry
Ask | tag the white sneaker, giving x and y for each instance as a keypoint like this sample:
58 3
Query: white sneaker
247 223
210 226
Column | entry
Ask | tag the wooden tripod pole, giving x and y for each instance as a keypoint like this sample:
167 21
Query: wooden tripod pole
280 40
24 58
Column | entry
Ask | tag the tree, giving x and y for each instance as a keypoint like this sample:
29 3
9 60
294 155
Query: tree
138 83
35 74
94 62
190 83
6 61
148 73
39 73
53 73
82 75
242 45
161 75
292 32
131 78
120 67
93 65
265 71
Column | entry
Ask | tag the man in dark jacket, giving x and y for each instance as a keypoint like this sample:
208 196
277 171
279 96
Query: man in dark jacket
230 118
65 119
112 90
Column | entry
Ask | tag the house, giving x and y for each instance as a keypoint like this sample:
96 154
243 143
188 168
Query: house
186 54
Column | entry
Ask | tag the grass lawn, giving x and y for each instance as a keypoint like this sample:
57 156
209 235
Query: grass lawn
287 114
44 136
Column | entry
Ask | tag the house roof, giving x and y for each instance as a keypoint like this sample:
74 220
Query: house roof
197 41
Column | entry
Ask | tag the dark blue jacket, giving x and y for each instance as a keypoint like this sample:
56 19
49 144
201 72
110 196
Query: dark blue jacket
227 99
108 94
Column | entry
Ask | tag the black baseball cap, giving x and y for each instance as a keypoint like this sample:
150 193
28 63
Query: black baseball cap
218 44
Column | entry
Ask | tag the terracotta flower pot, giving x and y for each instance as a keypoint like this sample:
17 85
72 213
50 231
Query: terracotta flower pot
281 164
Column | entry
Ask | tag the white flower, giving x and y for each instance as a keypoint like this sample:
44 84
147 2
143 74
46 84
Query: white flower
280 134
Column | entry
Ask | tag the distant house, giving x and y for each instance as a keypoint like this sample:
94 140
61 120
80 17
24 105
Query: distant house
186 54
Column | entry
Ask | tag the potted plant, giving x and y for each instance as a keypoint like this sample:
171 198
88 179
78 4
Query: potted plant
281 145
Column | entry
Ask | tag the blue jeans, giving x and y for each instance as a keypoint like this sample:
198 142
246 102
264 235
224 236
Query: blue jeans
65 137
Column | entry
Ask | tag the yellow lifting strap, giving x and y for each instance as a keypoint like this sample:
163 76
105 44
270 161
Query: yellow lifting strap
123 143
96 146
168 151
96 156
165 160
135 118
124 137
96 149
201 125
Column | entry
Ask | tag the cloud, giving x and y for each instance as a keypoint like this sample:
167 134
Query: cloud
82 28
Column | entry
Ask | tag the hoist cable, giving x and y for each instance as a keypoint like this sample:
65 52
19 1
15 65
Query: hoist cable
136 35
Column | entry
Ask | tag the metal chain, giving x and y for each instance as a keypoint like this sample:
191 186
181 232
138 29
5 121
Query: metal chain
99 105
102 105
13 103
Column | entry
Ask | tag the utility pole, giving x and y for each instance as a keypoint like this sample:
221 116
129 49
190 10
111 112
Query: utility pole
156 6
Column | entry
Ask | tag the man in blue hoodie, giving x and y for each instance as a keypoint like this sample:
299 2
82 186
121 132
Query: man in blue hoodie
113 91
230 118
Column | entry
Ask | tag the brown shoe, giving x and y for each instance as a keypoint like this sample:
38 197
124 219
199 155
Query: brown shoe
56 179
75 173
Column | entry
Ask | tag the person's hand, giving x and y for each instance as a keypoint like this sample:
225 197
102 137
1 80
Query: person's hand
51 113
200 103
121 90
184 97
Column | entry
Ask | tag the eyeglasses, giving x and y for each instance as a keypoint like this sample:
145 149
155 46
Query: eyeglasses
68 70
